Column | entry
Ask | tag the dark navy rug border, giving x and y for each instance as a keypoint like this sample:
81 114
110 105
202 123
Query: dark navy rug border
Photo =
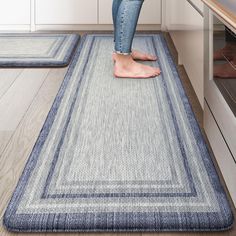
110 221
46 63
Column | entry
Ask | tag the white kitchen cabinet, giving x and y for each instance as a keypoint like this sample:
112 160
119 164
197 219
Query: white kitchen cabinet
219 116
66 12
150 14
14 12
183 15
221 151
185 24
69 14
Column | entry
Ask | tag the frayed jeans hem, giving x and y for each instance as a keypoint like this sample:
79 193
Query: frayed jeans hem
123 53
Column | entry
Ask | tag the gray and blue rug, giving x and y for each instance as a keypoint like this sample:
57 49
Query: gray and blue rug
37 50
119 154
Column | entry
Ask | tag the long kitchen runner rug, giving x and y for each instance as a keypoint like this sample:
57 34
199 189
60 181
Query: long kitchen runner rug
119 154
37 50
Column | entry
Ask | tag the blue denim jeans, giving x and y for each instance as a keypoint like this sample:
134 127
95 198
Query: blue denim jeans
125 18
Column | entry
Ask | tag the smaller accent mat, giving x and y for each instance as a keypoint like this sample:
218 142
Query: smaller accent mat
37 50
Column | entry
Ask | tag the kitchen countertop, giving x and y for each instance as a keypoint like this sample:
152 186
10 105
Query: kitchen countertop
225 9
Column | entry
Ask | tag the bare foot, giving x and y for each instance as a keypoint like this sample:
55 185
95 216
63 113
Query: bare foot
126 67
137 55
229 51
225 71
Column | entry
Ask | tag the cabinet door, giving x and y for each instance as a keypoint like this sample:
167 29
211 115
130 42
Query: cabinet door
185 25
66 12
15 12
150 14
182 15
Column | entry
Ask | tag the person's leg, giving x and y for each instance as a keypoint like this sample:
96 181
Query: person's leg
126 22
125 27
115 8
136 55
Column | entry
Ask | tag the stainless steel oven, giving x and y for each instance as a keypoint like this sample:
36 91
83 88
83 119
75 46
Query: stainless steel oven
220 94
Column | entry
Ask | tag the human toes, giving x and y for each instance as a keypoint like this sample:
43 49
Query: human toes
151 57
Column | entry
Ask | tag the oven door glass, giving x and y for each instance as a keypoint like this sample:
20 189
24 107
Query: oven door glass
224 61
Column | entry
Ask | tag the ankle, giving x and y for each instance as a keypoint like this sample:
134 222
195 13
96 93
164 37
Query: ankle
122 57
122 60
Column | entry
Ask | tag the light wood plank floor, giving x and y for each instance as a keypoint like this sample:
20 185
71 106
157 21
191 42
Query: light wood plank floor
26 96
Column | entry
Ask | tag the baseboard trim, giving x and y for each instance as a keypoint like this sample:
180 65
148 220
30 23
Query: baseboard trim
95 27
15 27
98 27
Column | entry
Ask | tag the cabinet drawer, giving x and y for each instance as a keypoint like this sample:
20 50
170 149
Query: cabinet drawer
150 14
221 152
222 113
15 12
66 11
